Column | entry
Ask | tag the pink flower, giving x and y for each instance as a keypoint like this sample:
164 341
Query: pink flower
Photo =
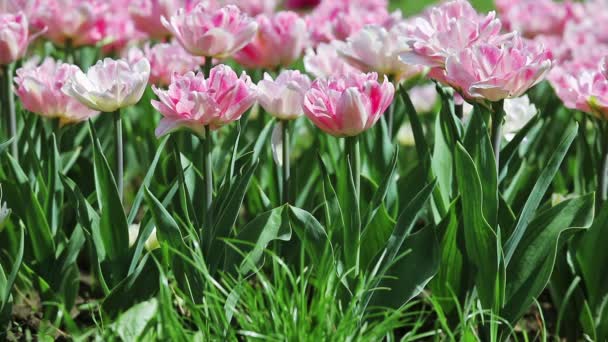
194 102
424 97
447 29
284 97
326 62
338 19
280 41
604 67
39 88
146 15
375 48
165 60
14 37
254 7
348 105
582 88
119 29
209 32
82 22
534 17
489 72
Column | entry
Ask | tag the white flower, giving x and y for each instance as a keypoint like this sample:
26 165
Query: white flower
518 111
110 84
151 242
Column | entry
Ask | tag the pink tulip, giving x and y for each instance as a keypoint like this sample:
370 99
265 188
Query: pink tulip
254 7
14 37
211 32
375 48
147 15
535 17
447 29
338 19
604 67
81 22
119 29
348 105
193 102
489 72
280 41
165 60
326 62
39 88
284 97
582 88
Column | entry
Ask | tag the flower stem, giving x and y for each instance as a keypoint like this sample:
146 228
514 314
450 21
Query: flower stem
286 161
207 66
459 110
391 120
119 154
9 108
498 114
208 221
603 183
352 233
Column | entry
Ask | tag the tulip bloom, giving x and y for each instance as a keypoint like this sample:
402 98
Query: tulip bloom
582 88
532 18
280 41
301 4
446 30
110 84
165 60
77 22
147 14
339 19
208 32
284 97
39 88
376 49
194 102
254 7
348 105
14 37
326 62
518 111
488 72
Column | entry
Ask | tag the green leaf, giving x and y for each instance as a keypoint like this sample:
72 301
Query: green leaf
408 275
6 284
5 145
532 262
380 194
167 229
310 233
131 325
147 179
113 223
540 188
478 145
592 255
256 236
376 235
480 239
24 203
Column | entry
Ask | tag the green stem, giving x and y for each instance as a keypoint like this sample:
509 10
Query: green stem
208 65
459 111
119 154
352 233
69 51
498 115
208 178
391 120
286 161
603 190
10 109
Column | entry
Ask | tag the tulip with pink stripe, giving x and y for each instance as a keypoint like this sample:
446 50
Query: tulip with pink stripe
39 88
193 102
14 37
348 105
280 41
211 32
